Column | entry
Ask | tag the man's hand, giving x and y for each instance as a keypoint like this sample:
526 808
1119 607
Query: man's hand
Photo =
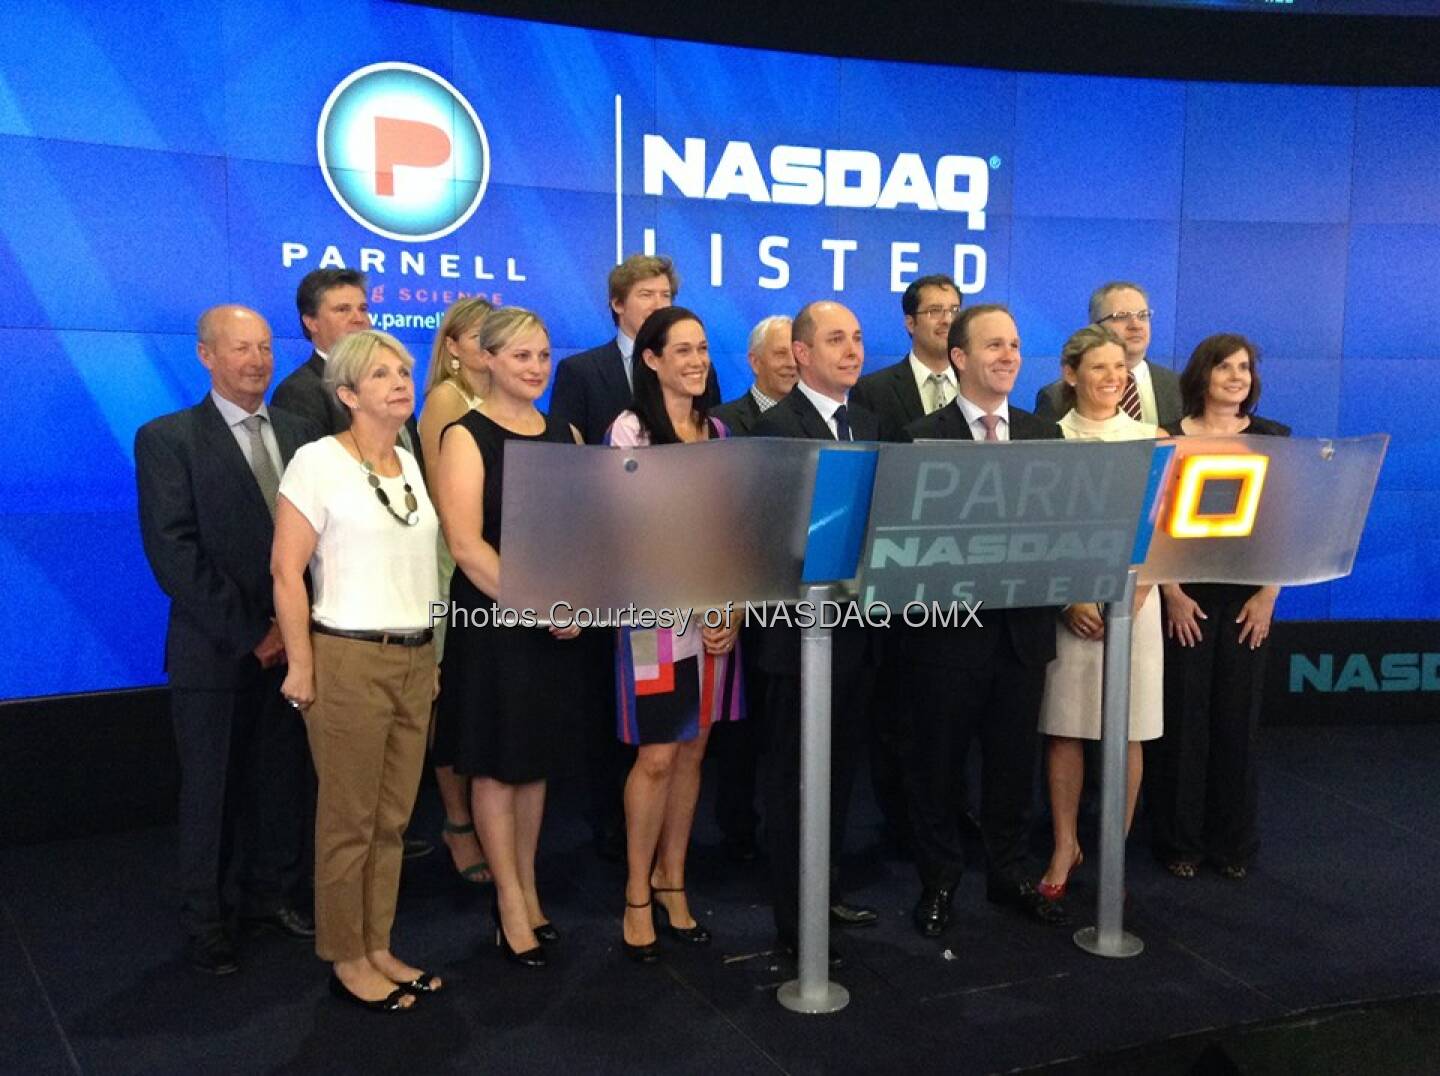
270 651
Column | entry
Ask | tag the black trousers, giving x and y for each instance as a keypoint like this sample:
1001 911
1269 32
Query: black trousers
1200 785
243 776
851 685
997 705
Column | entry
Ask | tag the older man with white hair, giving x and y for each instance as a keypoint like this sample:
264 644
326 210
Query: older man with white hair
775 375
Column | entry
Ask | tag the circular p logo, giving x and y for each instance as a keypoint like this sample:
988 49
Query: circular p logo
403 152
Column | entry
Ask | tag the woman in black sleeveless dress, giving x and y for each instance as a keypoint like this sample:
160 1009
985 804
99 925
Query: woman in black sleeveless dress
507 694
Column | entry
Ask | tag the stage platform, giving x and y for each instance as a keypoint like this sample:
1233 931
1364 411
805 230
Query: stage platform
1321 961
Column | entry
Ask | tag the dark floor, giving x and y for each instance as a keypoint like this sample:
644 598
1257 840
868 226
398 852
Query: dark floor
1338 910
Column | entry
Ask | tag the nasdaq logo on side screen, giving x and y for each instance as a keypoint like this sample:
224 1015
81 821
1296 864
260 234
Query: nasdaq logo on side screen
403 152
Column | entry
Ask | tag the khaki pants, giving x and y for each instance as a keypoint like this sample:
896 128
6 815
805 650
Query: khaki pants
367 732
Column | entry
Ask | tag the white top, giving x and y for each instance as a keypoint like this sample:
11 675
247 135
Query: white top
973 411
370 572
1118 427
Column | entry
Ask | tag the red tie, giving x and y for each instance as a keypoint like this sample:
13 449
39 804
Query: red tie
990 422
1130 402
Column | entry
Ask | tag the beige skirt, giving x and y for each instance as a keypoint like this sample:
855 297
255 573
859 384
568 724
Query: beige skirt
1072 680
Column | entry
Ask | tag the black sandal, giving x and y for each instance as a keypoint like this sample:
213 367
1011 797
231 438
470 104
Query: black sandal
424 983
1181 868
391 1002
641 954
696 935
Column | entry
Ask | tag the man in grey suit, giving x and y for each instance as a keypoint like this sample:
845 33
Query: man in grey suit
775 372
1153 392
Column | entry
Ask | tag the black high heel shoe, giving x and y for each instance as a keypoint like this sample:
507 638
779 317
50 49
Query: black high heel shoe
390 1003
547 934
641 954
696 935
530 958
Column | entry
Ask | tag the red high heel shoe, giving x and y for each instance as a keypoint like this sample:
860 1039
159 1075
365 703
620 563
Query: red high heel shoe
1056 891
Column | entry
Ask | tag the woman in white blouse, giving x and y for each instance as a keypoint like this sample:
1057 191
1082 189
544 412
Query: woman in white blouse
1093 366
353 510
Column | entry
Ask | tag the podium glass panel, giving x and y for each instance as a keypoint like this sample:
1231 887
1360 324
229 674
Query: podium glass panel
684 526
1251 509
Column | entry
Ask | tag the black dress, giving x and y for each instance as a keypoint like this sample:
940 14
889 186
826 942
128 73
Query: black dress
510 698
1200 780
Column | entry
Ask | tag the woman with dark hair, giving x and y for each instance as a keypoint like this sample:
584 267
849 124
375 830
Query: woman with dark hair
1202 793
670 685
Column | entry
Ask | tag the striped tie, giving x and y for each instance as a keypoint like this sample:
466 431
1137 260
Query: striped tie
1130 402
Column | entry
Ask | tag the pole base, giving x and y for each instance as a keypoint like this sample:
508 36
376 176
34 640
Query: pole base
1127 945
832 997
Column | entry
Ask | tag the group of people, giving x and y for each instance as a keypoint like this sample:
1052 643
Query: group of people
303 544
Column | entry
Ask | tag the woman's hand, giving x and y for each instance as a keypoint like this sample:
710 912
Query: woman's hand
1255 616
299 687
1084 620
1182 616
567 632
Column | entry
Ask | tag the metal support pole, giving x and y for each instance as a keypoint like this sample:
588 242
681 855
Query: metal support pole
1109 937
813 992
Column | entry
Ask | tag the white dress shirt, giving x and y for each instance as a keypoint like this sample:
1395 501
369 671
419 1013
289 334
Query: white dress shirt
234 415
826 406
922 374
972 413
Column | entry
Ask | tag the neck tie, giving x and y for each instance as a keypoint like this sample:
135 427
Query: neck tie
1130 401
938 390
990 422
842 424
261 465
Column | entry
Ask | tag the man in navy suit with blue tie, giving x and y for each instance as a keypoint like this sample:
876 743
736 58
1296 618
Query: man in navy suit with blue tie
207 477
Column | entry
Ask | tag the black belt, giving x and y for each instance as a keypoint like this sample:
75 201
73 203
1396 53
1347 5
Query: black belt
386 638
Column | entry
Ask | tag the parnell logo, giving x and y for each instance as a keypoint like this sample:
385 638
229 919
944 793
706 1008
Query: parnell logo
403 152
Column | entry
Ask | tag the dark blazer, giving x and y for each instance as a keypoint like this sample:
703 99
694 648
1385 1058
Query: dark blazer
591 389
1031 631
796 417
739 415
892 395
1266 426
1050 405
207 534
303 393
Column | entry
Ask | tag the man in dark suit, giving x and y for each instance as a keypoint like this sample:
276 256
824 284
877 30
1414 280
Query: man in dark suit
332 305
977 682
773 363
1153 392
207 480
923 381
829 354
592 387
919 384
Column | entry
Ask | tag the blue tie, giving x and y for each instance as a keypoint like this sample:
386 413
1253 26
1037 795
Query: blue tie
842 424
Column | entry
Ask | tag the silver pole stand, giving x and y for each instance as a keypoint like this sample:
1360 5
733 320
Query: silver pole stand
813 991
1109 937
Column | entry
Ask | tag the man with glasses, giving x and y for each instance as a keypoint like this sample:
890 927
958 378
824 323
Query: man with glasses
1152 394
923 381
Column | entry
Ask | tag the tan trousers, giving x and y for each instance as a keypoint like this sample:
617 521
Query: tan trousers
367 732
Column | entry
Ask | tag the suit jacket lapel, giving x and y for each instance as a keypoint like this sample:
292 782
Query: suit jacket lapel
815 427
613 371
220 443
907 392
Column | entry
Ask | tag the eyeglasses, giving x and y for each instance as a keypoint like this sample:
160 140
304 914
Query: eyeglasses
1128 315
937 312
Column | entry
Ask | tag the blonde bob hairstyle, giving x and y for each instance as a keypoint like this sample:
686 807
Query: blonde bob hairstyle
461 318
353 355
1081 343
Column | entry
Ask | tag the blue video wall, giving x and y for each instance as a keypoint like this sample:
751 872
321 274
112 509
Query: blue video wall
159 158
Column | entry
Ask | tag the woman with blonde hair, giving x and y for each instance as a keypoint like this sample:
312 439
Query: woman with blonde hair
508 694
1096 375
352 509
456 383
